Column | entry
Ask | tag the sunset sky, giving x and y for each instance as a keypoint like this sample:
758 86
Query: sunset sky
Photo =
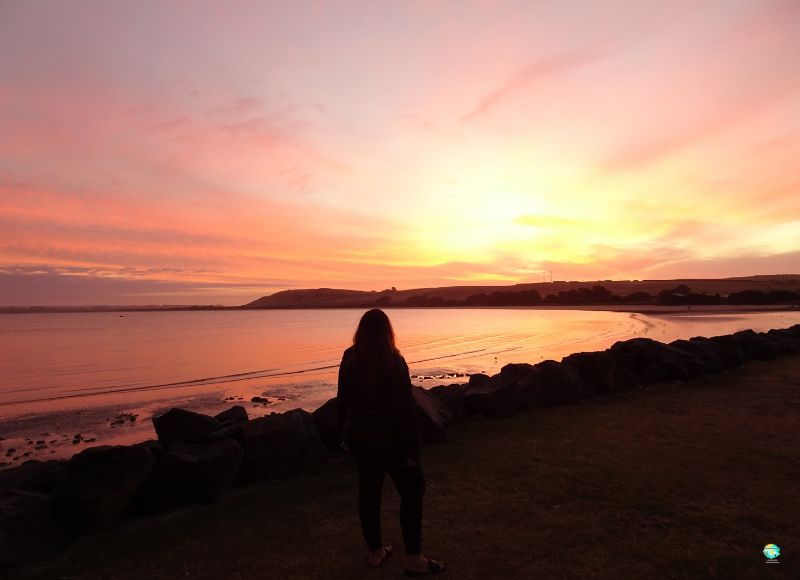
213 152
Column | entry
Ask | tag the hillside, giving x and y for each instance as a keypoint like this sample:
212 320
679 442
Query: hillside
342 298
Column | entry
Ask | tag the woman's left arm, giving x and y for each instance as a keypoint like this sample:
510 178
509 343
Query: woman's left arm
404 411
342 392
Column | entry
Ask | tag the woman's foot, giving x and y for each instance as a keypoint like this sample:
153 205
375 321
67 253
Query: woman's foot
420 565
376 557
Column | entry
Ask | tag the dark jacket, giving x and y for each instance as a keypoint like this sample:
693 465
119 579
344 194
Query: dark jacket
377 412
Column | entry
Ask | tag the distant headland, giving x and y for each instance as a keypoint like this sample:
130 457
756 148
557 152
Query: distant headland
782 289
777 290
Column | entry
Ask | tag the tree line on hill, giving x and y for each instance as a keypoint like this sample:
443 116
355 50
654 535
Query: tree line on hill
681 295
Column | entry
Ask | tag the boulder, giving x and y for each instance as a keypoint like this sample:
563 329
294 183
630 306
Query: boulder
431 416
477 379
519 371
792 331
730 355
758 344
187 426
34 476
230 429
554 383
787 331
785 343
236 413
596 371
650 360
27 530
326 421
625 381
281 445
157 448
502 395
752 344
452 397
701 354
191 473
100 483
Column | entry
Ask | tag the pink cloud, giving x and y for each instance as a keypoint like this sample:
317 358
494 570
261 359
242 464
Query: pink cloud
541 70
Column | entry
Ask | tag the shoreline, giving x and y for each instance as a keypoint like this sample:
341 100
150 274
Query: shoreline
39 431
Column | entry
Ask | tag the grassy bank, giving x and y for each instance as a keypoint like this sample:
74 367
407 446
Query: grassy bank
678 481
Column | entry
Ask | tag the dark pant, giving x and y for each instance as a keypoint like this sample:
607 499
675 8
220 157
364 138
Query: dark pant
372 465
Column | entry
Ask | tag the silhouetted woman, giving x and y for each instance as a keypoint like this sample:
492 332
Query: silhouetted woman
376 415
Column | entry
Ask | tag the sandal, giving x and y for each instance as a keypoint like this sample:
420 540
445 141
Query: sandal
434 567
387 551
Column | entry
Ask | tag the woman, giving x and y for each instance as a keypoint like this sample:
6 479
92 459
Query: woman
376 416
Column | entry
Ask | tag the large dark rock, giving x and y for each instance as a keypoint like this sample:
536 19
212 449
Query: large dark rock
752 344
757 344
230 429
596 371
520 371
786 343
237 413
730 355
478 379
699 354
27 530
34 476
452 397
191 473
281 445
652 361
326 421
431 416
502 395
157 448
792 331
100 483
187 426
553 383
625 380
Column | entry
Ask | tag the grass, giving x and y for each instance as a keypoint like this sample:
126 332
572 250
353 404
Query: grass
678 481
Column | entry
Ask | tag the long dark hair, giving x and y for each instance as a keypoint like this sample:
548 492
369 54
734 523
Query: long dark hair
373 342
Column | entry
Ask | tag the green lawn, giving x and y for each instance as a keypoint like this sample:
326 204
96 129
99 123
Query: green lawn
677 481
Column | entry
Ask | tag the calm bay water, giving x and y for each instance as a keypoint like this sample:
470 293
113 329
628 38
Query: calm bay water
67 374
